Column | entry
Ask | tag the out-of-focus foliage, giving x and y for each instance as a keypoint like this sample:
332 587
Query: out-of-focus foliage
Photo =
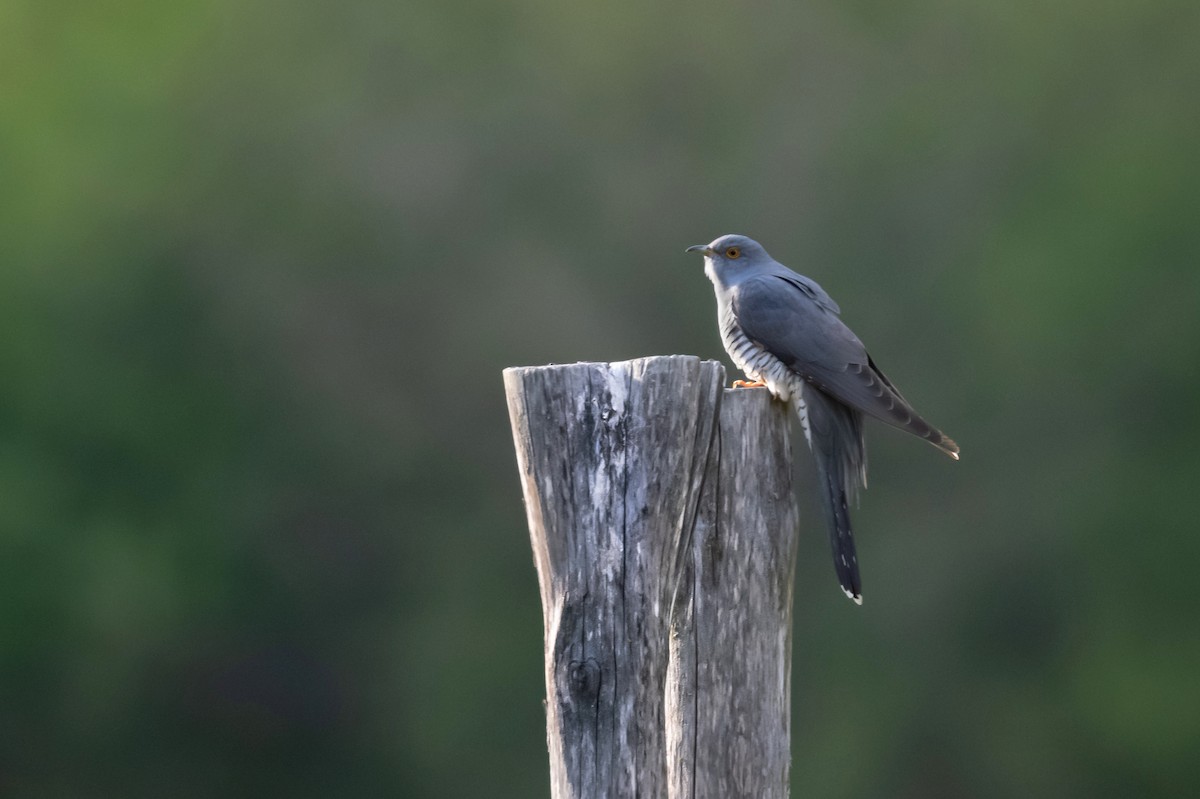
260 267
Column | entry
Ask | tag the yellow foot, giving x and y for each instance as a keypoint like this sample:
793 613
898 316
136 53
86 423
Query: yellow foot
748 384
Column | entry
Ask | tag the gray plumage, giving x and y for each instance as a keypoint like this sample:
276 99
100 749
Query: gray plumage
781 328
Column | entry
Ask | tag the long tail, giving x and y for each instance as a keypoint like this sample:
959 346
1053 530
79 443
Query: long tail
835 435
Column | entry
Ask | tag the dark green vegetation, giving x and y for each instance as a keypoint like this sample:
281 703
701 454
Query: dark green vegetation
261 265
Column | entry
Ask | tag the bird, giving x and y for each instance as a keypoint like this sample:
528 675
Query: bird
785 332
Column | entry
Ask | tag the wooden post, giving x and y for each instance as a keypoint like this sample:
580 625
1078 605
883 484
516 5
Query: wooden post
619 465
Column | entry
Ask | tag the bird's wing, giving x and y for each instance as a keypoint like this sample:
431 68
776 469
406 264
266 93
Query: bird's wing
813 291
800 329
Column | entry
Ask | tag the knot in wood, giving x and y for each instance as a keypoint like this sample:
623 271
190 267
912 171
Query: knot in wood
583 680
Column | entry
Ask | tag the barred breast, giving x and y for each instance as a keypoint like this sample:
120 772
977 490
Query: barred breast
758 364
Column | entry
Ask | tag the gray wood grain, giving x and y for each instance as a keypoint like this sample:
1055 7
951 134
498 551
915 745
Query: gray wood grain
729 687
612 458
665 548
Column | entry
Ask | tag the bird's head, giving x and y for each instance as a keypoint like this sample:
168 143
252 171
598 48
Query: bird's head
731 256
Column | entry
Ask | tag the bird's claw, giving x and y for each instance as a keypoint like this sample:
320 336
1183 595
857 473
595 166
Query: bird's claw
748 384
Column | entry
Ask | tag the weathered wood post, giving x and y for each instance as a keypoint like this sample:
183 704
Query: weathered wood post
620 463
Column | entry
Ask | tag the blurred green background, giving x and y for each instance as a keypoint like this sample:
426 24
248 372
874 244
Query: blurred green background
261 265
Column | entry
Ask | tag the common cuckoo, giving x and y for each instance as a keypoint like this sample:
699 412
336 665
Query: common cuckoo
783 331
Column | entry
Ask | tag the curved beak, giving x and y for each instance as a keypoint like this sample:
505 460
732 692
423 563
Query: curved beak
699 248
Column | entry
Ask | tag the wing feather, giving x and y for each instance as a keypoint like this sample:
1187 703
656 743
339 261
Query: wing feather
800 327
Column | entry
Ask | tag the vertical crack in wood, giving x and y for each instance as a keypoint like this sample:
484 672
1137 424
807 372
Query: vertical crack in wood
715 457
626 410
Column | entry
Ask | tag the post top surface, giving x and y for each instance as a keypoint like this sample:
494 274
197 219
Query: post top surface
626 364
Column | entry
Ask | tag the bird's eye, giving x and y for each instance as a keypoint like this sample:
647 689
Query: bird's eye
733 253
